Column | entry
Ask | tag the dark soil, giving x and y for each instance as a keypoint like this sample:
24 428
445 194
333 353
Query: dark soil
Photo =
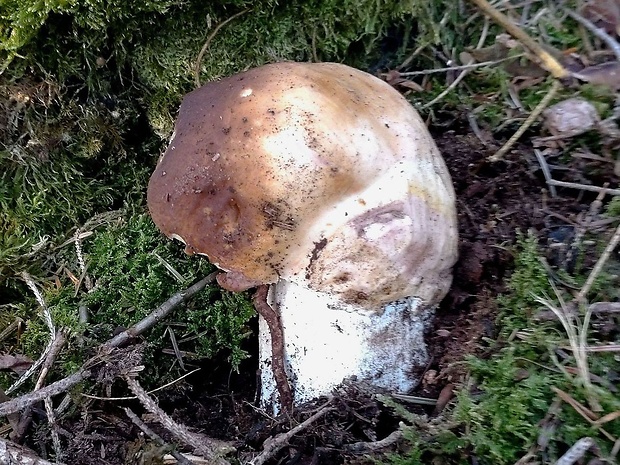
495 201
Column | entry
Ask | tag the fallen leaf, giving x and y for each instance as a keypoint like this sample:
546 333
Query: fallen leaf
395 79
604 14
18 363
446 394
604 74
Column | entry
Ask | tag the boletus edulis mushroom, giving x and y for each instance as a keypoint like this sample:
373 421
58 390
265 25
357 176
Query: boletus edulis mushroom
323 182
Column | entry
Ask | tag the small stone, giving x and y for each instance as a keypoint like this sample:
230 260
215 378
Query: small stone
570 117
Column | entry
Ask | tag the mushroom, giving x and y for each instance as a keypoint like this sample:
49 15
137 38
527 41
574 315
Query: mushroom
323 182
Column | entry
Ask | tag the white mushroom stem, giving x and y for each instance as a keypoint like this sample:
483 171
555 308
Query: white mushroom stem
327 342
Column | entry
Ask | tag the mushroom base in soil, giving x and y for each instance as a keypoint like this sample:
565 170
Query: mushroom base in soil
324 183
326 344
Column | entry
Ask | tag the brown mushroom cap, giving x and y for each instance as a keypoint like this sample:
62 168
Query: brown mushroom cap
266 169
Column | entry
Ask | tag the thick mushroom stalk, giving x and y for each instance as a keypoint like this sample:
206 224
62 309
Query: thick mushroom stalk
323 181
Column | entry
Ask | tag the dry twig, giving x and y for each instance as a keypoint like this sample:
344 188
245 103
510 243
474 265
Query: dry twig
67 383
597 31
548 61
576 452
544 103
47 318
13 454
584 187
160 312
273 445
464 73
373 446
211 449
155 437
22 402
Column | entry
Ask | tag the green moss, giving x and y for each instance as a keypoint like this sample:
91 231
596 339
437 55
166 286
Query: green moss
509 399
130 281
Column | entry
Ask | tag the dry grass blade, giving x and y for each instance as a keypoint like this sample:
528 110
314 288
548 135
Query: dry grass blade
582 410
613 243
577 337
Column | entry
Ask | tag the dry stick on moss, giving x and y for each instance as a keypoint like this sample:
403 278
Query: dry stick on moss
59 341
273 445
576 452
272 318
22 402
211 449
67 383
154 436
47 318
26 417
205 47
159 313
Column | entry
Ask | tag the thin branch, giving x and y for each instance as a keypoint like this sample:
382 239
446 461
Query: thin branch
273 445
544 103
464 73
546 171
576 452
365 447
160 388
22 402
211 449
67 383
11 453
26 415
160 312
155 437
205 47
584 187
448 89
47 317
553 65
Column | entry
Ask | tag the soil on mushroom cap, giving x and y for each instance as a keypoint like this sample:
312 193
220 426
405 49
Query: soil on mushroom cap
494 201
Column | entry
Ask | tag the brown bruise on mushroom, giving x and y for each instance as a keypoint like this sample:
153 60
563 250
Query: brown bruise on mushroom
258 158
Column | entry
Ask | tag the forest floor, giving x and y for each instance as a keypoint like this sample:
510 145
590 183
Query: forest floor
524 363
